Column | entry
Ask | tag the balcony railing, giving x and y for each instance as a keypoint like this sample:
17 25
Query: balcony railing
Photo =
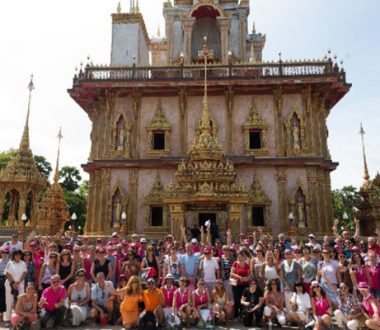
217 72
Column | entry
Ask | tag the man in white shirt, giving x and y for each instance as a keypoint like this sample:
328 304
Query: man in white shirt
14 244
209 268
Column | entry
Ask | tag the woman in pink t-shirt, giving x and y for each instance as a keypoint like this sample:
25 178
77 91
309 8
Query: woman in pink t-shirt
321 306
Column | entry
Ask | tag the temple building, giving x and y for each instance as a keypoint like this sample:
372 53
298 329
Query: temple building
196 125
21 184
27 201
369 202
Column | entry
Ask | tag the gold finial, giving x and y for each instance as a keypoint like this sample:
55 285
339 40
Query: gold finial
131 6
118 8
56 174
137 6
24 145
158 32
254 28
366 174
205 121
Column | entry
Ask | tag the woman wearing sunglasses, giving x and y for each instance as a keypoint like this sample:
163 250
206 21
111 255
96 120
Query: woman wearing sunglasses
348 311
321 307
79 296
223 306
274 303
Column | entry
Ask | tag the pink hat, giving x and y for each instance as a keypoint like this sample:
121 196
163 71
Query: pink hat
363 285
5 249
124 242
246 241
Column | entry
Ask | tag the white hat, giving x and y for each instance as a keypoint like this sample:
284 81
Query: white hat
143 240
311 236
115 234
168 275
194 240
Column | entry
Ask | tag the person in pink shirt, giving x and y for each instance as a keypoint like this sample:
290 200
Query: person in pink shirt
371 307
168 290
52 303
373 269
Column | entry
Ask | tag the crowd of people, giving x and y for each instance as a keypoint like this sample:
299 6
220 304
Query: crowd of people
196 281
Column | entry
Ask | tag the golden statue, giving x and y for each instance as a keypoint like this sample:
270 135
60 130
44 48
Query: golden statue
296 137
301 215
121 140
118 209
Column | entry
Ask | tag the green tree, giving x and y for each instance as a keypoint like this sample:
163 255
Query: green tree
70 178
77 203
6 157
43 165
345 200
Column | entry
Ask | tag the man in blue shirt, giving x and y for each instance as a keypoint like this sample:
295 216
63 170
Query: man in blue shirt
189 265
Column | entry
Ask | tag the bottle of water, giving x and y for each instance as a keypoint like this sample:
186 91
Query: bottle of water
270 325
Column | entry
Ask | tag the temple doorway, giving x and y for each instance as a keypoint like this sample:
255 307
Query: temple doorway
203 217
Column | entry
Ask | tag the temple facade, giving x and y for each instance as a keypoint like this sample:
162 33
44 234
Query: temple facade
246 147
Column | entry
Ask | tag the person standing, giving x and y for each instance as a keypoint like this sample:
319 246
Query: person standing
240 276
15 272
209 269
3 263
290 273
189 265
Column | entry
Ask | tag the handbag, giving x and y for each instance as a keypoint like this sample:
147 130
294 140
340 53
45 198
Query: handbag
233 281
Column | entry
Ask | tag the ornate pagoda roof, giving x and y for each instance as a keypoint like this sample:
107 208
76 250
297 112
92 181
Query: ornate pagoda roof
205 172
53 211
22 169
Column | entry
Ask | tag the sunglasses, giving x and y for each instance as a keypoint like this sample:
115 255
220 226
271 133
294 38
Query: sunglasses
101 252
316 287
52 257
80 275
151 283
202 284
274 283
54 282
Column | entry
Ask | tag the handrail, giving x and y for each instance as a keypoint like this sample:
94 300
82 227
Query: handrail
217 71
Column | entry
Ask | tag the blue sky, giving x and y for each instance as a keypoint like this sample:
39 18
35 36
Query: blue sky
49 38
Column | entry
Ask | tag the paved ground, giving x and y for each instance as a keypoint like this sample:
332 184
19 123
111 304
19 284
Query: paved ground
93 326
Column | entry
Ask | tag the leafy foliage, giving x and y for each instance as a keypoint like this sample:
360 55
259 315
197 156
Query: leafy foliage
43 166
77 203
344 200
70 178
6 157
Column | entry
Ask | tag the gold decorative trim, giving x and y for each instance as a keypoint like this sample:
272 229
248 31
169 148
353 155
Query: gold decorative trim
121 138
255 122
158 124
300 211
296 142
124 204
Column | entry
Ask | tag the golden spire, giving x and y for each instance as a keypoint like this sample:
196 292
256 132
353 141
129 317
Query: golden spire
158 32
366 175
137 7
206 118
56 174
118 8
24 145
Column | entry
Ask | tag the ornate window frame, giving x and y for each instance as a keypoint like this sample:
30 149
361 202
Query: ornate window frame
126 152
307 208
255 122
155 198
124 204
290 151
258 198
158 124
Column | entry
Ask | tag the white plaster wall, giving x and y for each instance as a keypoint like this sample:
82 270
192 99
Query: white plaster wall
265 107
171 112
145 183
178 46
288 101
234 41
143 57
124 43
121 176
